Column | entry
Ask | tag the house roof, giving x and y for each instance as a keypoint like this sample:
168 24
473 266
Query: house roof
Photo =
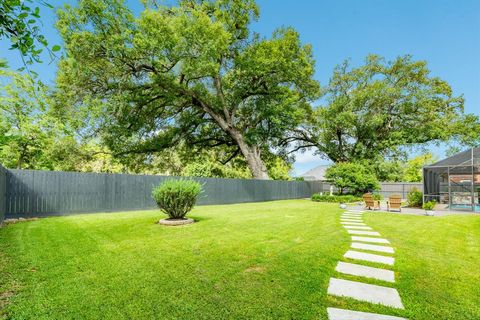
317 173
465 158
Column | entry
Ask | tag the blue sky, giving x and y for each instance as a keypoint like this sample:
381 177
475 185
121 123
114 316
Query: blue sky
444 33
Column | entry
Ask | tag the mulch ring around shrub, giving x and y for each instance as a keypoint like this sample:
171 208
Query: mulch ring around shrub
175 222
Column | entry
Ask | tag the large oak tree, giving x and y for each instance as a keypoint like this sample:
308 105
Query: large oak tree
193 73
382 108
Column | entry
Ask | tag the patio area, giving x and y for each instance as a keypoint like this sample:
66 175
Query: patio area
411 211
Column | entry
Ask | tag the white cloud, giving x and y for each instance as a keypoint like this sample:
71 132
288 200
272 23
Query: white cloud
306 157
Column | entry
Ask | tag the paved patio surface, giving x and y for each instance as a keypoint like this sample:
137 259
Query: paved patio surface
409 211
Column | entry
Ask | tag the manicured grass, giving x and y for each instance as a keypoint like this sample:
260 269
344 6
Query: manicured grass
437 263
246 261
268 260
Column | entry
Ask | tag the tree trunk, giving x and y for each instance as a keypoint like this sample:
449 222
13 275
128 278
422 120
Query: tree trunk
252 155
255 163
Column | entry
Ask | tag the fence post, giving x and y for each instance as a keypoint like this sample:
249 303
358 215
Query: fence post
3 193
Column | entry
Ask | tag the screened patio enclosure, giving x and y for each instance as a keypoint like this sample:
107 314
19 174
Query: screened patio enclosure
454 183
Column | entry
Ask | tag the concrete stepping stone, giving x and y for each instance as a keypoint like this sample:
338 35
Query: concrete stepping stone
342 314
368 239
364 271
370 257
366 233
351 220
365 292
353 223
350 216
372 247
357 227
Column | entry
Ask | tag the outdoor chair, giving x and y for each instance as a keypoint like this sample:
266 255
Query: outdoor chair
394 203
370 203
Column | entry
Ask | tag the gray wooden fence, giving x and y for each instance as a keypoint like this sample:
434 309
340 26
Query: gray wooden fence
402 188
38 193
3 199
26 193
386 188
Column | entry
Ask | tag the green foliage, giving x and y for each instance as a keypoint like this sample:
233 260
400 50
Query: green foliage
214 170
347 198
25 124
429 205
19 22
468 135
374 110
176 197
377 196
206 169
278 169
401 169
32 136
389 170
413 170
357 178
191 73
208 165
415 198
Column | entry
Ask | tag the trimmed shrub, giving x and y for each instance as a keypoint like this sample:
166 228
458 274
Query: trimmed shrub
335 198
415 198
429 205
176 197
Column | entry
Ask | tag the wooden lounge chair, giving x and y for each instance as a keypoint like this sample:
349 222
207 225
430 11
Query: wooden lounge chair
394 203
370 203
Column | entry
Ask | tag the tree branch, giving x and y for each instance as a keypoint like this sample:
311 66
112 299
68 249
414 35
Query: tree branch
233 155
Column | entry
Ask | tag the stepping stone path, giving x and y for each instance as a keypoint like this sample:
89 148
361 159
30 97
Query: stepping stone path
368 239
371 247
353 223
366 233
364 271
358 227
342 314
350 220
357 255
364 238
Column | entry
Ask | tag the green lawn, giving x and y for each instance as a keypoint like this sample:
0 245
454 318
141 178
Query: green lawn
267 260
